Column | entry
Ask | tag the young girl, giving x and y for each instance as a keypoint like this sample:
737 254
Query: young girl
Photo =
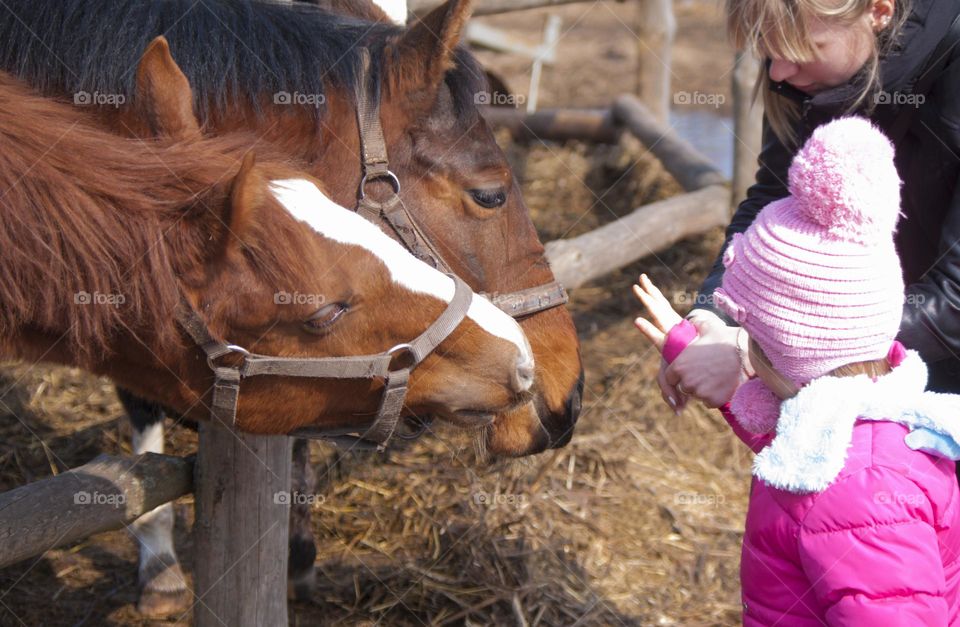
898 63
854 514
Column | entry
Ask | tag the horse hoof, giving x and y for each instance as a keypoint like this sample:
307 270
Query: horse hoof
157 604
300 587
165 594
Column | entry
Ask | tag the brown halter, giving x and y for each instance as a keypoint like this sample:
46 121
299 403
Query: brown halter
373 148
227 378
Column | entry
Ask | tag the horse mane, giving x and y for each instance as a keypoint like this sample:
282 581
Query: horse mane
233 52
89 213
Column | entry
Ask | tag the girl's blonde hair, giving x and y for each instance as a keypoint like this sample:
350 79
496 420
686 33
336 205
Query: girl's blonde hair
874 369
780 28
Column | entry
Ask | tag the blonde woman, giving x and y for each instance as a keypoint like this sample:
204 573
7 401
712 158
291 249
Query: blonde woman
896 62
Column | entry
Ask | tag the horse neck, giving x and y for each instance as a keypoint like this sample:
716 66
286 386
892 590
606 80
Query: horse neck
94 232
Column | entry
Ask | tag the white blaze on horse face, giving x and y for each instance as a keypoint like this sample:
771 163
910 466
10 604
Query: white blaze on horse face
307 203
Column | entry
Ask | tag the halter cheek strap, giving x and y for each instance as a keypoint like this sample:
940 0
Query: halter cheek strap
392 211
227 378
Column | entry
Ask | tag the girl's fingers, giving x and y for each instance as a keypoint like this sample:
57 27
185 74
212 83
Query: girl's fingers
668 316
660 309
652 333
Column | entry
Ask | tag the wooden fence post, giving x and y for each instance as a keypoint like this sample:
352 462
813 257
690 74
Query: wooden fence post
747 124
656 29
242 493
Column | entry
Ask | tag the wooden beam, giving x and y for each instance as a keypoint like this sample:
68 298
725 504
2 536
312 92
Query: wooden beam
648 230
592 125
684 162
490 7
241 528
103 495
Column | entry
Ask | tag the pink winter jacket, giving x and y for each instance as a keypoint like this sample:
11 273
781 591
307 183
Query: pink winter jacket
877 546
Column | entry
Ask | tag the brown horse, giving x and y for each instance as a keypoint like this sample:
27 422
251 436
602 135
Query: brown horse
106 241
290 74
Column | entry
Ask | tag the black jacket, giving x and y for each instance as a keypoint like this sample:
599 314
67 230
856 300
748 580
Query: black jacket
928 160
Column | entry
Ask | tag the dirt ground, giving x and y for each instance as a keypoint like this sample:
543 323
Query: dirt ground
636 522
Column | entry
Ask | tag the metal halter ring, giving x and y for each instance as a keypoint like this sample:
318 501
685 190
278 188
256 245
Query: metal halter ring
233 348
394 181
403 348
420 427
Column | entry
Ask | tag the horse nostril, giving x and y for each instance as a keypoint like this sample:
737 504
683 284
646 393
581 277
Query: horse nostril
523 375
575 402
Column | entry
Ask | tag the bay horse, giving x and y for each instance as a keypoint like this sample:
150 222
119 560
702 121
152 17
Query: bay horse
109 243
240 56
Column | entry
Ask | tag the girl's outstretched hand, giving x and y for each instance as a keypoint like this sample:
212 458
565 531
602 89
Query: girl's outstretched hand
664 317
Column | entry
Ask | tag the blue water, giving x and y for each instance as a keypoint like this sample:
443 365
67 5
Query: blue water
709 133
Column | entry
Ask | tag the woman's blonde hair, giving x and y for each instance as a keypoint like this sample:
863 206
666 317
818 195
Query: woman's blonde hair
780 28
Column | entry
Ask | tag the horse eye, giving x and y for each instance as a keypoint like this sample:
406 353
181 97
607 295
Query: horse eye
489 198
324 318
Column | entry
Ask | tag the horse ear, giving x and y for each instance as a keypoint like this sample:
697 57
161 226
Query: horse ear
425 52
164 94
246 194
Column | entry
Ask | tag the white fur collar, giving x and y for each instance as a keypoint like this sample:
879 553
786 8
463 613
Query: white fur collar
815 427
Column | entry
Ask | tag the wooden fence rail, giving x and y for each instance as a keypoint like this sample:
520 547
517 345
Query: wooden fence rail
103 495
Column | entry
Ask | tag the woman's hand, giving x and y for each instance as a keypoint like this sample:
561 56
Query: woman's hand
714 365
710 368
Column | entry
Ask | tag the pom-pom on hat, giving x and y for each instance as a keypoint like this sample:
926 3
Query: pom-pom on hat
816 280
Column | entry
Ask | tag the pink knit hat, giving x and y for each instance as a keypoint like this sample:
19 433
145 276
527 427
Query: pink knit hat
816 280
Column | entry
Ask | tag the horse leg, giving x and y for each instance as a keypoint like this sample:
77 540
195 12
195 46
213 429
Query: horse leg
163 589
301 572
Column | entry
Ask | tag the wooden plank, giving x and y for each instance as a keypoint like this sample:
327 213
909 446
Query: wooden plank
490 7
103 495
241 529
684 162
593 125
648 230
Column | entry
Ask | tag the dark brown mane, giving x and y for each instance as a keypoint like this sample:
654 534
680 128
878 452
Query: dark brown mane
88 213
264 48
